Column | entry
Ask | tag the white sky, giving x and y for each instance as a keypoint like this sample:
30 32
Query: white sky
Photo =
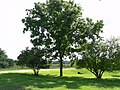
12 39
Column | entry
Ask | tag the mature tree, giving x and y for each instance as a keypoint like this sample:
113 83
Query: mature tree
100 57
33 59
58 25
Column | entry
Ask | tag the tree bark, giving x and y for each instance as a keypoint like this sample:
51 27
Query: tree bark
36 72
61 66
99 76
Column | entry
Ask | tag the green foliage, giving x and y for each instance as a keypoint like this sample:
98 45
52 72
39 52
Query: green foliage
11 62
100 56
3 55
5 62
33 59
114 50
58 26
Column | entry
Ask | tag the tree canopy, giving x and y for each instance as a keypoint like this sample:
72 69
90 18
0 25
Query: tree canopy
100 56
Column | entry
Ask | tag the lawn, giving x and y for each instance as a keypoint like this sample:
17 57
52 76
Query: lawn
50 80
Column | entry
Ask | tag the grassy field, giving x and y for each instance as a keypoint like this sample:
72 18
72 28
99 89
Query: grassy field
50 80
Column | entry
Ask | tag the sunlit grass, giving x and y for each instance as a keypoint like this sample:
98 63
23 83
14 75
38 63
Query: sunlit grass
49 79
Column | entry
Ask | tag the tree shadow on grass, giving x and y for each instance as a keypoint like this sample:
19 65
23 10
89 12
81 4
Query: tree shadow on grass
118 76
17 81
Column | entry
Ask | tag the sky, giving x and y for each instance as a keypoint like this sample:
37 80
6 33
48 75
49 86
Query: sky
12 39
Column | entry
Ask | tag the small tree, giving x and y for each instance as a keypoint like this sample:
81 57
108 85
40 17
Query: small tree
100 57
33 59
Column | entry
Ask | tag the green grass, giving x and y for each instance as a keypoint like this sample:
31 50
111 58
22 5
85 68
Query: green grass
50 80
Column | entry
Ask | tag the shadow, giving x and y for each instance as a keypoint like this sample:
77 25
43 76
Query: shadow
116 76
19 81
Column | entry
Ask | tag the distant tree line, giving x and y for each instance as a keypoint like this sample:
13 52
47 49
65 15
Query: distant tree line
5 62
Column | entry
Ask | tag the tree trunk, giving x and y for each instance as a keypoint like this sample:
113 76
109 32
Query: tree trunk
36 72
99 76
61 66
